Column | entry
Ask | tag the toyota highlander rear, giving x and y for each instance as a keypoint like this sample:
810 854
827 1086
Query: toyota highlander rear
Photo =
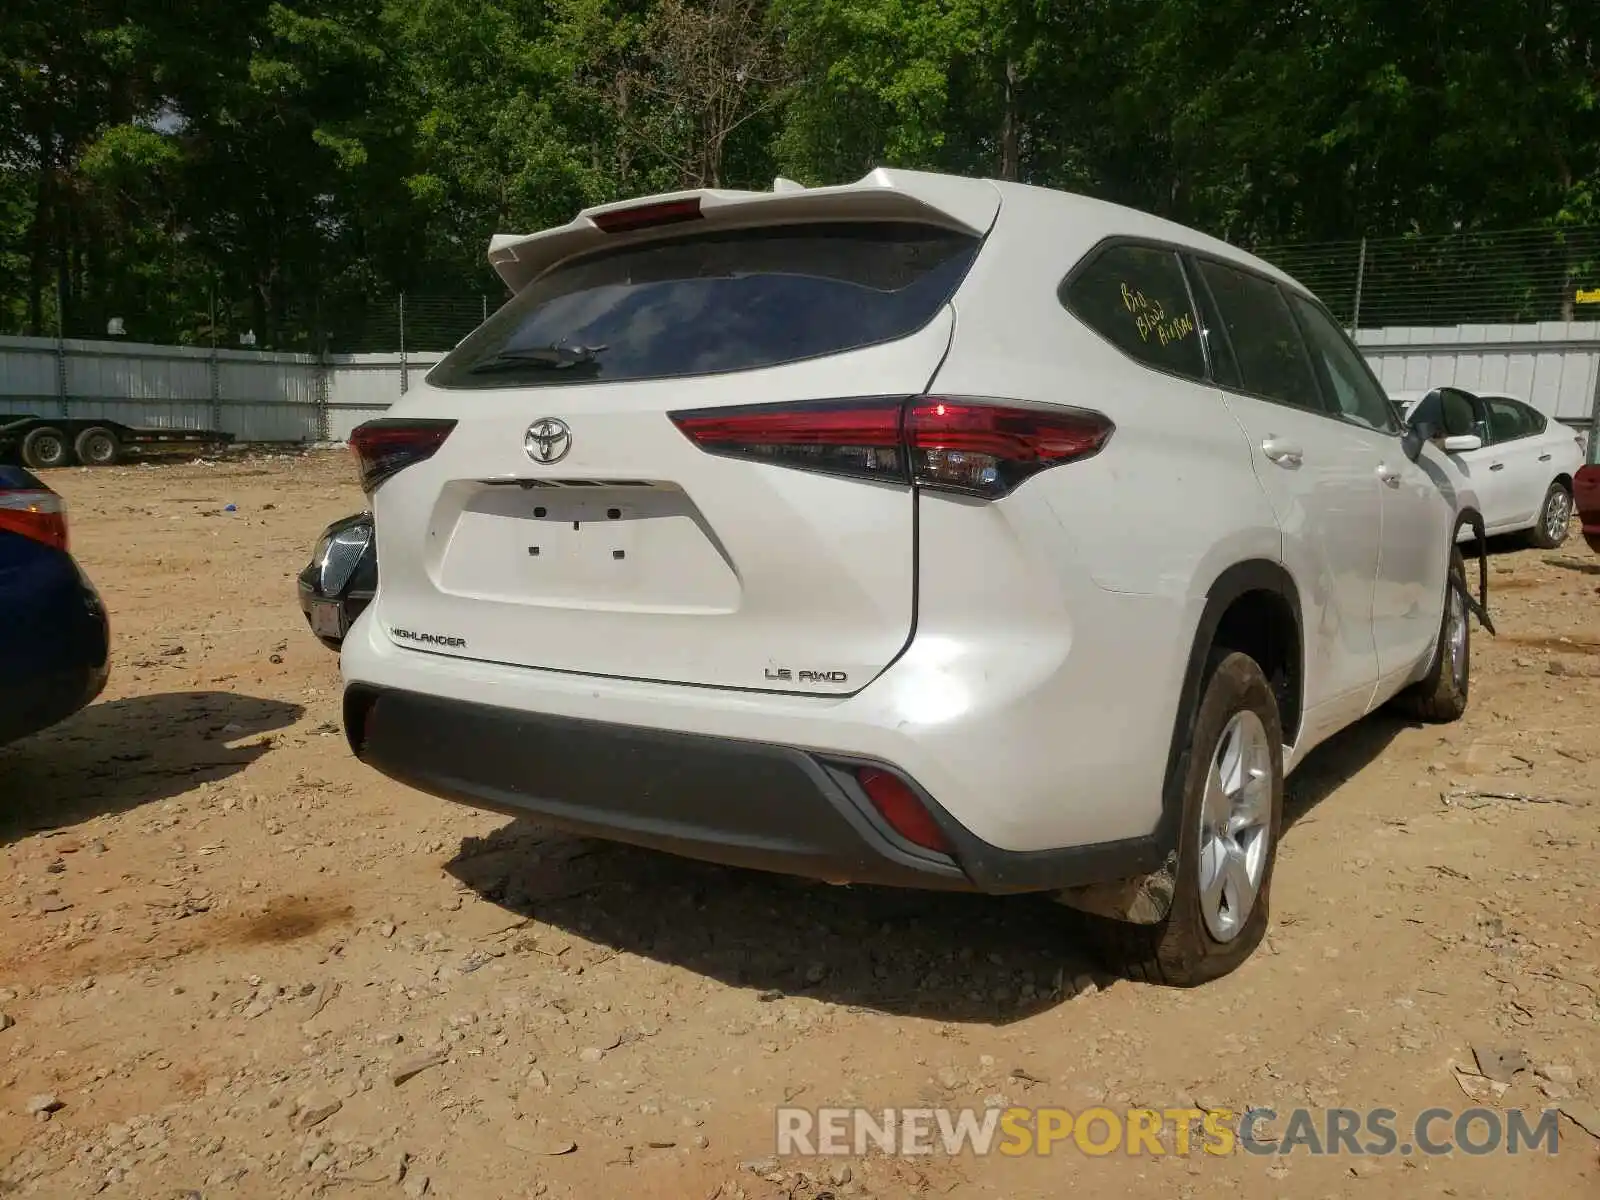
722 537
602 496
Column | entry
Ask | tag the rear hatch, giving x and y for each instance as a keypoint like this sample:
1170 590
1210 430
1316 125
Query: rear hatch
569 522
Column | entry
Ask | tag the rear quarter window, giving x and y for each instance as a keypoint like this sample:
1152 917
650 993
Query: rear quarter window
1137 299
714 302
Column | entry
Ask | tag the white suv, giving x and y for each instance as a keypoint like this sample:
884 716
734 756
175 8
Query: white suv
923 531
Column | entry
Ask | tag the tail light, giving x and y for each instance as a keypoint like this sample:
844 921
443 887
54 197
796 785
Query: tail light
899 806
387 446
952 444
29 508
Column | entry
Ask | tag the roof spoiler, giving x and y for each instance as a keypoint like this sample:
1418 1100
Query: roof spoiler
967 204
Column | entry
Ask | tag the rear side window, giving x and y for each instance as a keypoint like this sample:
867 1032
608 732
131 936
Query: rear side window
1510 419
1506 422
709 303
1136 298
1266 342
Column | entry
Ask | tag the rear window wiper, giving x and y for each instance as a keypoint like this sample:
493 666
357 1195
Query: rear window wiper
557 356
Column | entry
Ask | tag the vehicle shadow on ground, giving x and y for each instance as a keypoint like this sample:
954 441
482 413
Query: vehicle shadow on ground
946 957
978 959
1336 762
119 754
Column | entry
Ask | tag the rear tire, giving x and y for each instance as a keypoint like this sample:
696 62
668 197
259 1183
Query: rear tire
1441 695
98 446
46 447
1555 518
1232 778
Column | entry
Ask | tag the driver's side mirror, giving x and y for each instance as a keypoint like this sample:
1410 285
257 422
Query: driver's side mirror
1461 443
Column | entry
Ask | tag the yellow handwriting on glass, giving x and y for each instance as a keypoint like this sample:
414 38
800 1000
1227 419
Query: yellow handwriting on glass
1151 319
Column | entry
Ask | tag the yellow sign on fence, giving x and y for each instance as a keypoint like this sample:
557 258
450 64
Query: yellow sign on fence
1589 295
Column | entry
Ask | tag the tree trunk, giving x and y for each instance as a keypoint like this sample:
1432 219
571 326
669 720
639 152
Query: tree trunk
1010 154
39 239
624 139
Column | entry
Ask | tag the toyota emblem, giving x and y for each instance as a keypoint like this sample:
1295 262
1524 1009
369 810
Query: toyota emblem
547 441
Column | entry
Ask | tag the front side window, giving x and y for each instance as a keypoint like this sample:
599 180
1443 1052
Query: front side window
1346 381
1136 298
713 302
1267 345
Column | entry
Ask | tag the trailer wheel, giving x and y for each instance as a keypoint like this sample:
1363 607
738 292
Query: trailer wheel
98 446
46 446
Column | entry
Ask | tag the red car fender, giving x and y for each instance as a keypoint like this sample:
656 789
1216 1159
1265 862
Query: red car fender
1586 499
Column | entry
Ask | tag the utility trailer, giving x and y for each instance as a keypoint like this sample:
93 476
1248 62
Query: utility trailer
63 441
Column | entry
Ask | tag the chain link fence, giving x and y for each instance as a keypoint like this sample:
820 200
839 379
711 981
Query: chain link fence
1433 280
1466 278
383 323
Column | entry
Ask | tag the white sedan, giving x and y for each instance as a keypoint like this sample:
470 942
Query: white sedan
1520 462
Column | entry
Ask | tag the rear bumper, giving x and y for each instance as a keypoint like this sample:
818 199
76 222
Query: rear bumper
742 803
41 703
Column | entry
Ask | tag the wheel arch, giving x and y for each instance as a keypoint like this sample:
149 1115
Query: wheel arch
1245 588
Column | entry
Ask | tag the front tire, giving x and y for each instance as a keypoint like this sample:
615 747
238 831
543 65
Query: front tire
1555 518
1232 813
1441 695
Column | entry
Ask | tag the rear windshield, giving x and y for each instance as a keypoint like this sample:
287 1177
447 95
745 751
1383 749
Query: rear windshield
708 303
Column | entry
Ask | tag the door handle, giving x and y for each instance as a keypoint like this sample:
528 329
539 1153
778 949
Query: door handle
1389 475
1284 453
1497 467
1544 458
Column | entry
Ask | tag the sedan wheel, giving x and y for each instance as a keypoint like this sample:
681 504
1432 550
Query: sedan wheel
1554 518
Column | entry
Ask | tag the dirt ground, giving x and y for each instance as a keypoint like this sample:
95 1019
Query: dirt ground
223 938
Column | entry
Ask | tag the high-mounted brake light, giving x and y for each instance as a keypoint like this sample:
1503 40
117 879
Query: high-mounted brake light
36 513
953 444
643 216
387 446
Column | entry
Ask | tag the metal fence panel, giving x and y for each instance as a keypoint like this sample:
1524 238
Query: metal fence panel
28 374
300 398
162 387
1554 365
267 397
363 386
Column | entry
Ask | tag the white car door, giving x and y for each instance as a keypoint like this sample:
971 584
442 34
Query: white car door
1408 590
1514 450
1319 474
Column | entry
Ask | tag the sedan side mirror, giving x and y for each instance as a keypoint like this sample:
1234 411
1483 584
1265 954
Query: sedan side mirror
1462 442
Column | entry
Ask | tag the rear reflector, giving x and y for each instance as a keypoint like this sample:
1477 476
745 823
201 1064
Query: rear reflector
387 446
643 216
899 806
37 514
954 444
